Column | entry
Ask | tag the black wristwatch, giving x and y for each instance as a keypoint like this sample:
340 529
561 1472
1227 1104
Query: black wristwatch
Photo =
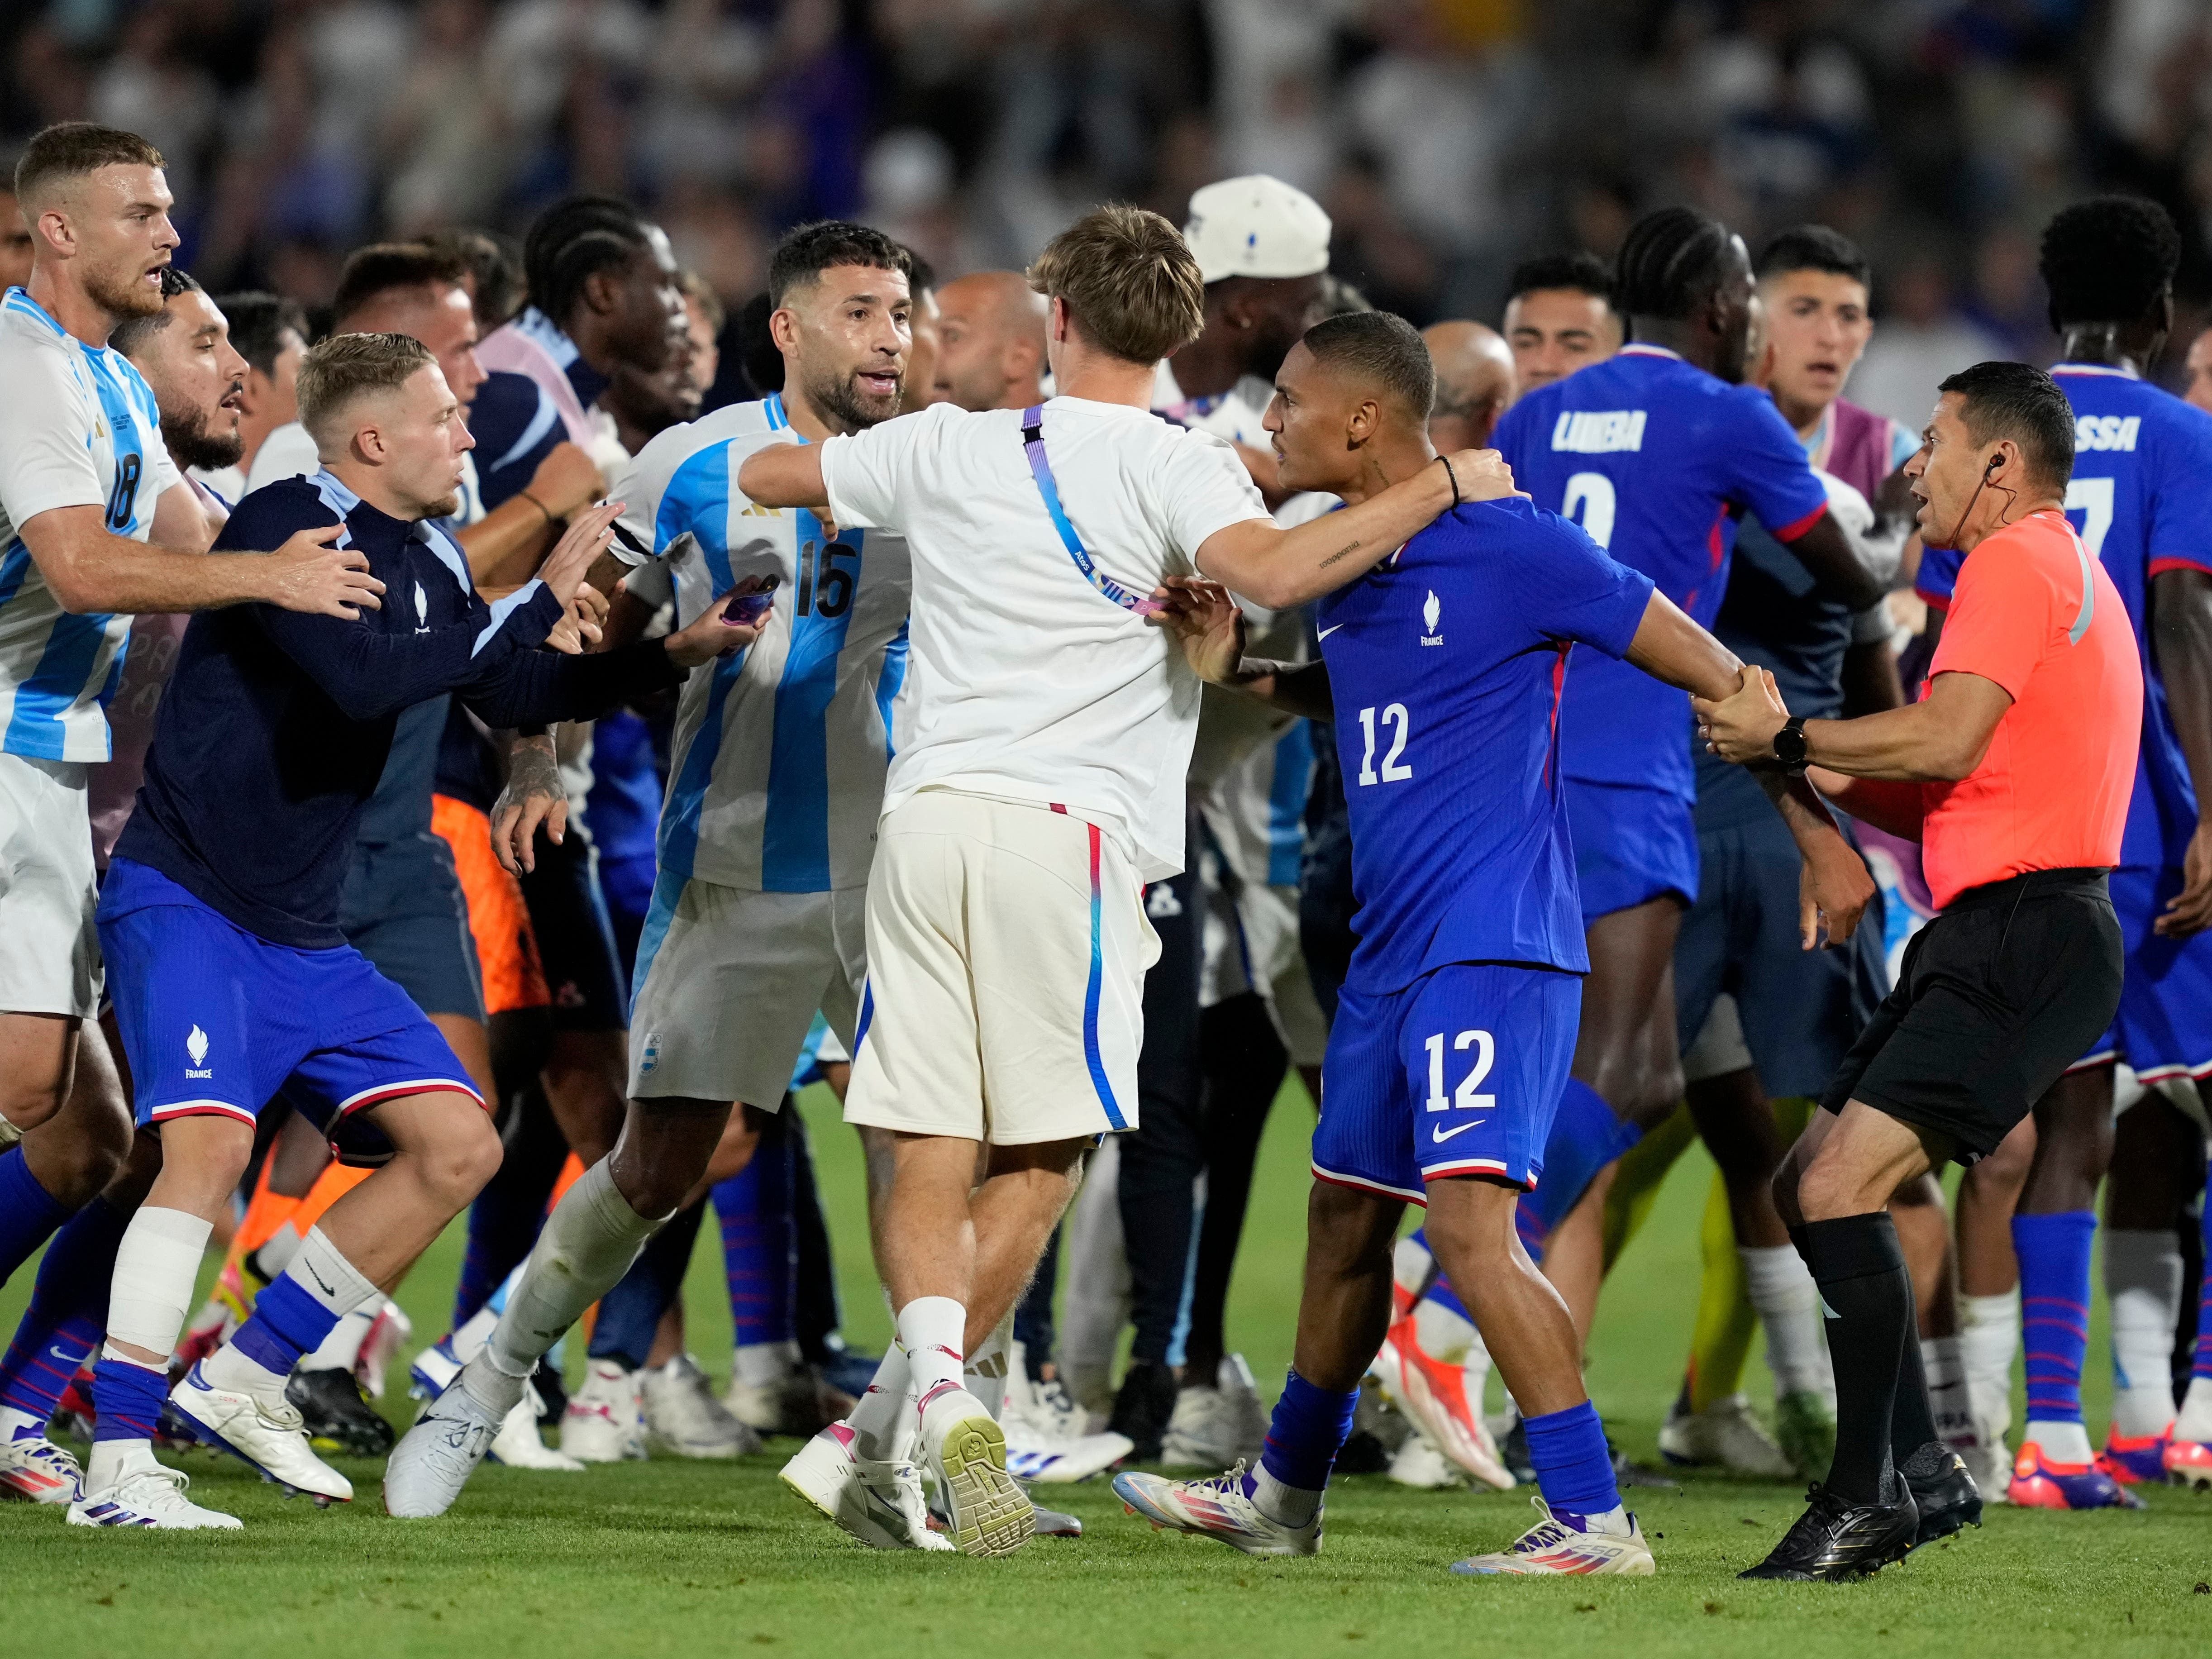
1790 743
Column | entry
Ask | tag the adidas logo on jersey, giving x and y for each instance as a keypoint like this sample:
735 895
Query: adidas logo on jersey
1431 609
1599 431
1160 900
753 510
2107 431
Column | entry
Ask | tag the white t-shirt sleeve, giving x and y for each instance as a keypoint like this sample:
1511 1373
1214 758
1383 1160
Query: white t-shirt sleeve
45 461
871 474
639 489
1207 489
287 452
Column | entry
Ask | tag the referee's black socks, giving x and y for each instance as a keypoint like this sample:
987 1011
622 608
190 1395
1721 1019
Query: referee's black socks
1867 1297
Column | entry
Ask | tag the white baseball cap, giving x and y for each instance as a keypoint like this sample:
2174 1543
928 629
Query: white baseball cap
1256 226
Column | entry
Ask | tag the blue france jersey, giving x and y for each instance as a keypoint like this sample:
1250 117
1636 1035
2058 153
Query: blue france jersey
776 768
2142 500
1659 461
78 427
1445 663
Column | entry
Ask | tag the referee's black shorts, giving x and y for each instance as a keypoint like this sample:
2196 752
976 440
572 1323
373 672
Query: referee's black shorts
1995 998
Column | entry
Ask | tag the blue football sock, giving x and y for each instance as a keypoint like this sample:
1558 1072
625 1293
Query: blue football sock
1308 1428
28 1212
1574 1467
288 1322
68 1311
760 1252
630 1314
1441 1293
2054 1307
1585 1136
128 1398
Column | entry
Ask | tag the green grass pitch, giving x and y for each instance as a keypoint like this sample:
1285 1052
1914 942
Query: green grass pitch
670 1559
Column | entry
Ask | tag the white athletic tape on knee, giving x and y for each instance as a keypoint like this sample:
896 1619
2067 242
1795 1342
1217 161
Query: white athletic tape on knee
155 1267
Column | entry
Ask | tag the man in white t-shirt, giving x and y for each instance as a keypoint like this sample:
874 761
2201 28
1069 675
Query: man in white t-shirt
1041 784
95 525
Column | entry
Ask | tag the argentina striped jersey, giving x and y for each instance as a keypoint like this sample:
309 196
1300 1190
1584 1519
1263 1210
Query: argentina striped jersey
776 771
78 427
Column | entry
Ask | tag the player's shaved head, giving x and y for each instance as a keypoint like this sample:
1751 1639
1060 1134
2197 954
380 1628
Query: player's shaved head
1474 383
992 346
1351 404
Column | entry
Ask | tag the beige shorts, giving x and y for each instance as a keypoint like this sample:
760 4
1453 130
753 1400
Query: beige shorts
729 987
49 949
1007 946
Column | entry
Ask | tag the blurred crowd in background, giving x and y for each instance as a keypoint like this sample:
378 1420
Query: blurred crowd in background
1447 138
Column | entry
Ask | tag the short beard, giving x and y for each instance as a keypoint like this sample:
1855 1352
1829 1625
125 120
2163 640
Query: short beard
133 298
192 445
842 401
445 506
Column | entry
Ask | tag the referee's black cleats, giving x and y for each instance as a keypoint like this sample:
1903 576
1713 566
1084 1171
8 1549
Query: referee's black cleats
1943 1491
1836 1540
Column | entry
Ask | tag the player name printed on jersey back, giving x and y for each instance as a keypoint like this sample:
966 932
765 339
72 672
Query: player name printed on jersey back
2107 431
777 767
1599 431
78 427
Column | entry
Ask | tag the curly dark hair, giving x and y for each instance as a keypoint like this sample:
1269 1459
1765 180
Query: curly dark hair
2108 260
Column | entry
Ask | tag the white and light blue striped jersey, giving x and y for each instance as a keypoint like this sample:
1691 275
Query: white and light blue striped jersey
78 427
776 772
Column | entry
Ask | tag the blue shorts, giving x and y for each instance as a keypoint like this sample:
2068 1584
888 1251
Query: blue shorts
1458 1074
1632 845
217 1021
2164 1027
402 908
1802 1010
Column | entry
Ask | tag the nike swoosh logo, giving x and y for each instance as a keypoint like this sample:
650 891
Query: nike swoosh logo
66 1356
1326 632
325 1289
1439 1134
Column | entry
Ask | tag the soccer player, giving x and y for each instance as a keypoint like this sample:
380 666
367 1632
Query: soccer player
2141 499
233 982
1475 383
2015 768
1441 671
95 525
1559 317
991 347
1006 939
1657 452
765 838
271 334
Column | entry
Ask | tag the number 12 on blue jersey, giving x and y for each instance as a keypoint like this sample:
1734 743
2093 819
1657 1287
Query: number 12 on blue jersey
1464 1097
1395 770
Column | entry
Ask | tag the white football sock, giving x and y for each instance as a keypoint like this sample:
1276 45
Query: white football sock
340 1350
319 1270
984 1373
277 1250
2143 1278
2062 1442
1782 1294
588 1243
1411 1264
933 1329
2195 1422
1474 1374
1287 1506
1947 1403
760 1365
883 1419
1988 1340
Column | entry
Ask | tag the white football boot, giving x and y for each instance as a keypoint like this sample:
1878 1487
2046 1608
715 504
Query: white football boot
435 1459
34 1470
964 1451
1728 1434
605 1422
518 1445
1045 1441
1556 1547
149 1495
1218 1507
270 1437
682 1416
879 1503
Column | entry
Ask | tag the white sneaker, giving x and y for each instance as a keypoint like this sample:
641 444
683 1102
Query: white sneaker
880 1503
1553 1545
605 1422
434 1460
1418 1463
1726 1433
965 1451
1203 1430
268 1437
682 1416
384 1341
151 1495
1217 1507
1045 1441
518 1445
793 1403
33 1469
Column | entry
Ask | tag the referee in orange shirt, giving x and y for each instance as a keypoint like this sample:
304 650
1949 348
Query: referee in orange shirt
2013 771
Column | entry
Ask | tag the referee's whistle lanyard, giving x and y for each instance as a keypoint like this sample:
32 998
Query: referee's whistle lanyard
1040 469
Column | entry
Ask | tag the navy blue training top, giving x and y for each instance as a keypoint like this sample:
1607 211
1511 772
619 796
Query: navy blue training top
276 724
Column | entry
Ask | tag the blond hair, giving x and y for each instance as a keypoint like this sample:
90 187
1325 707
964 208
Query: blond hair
347 367
1129 280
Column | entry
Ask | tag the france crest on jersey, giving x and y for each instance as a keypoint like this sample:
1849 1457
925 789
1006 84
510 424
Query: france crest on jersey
78 427
1658 461
1445 664
776 771
2141 499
